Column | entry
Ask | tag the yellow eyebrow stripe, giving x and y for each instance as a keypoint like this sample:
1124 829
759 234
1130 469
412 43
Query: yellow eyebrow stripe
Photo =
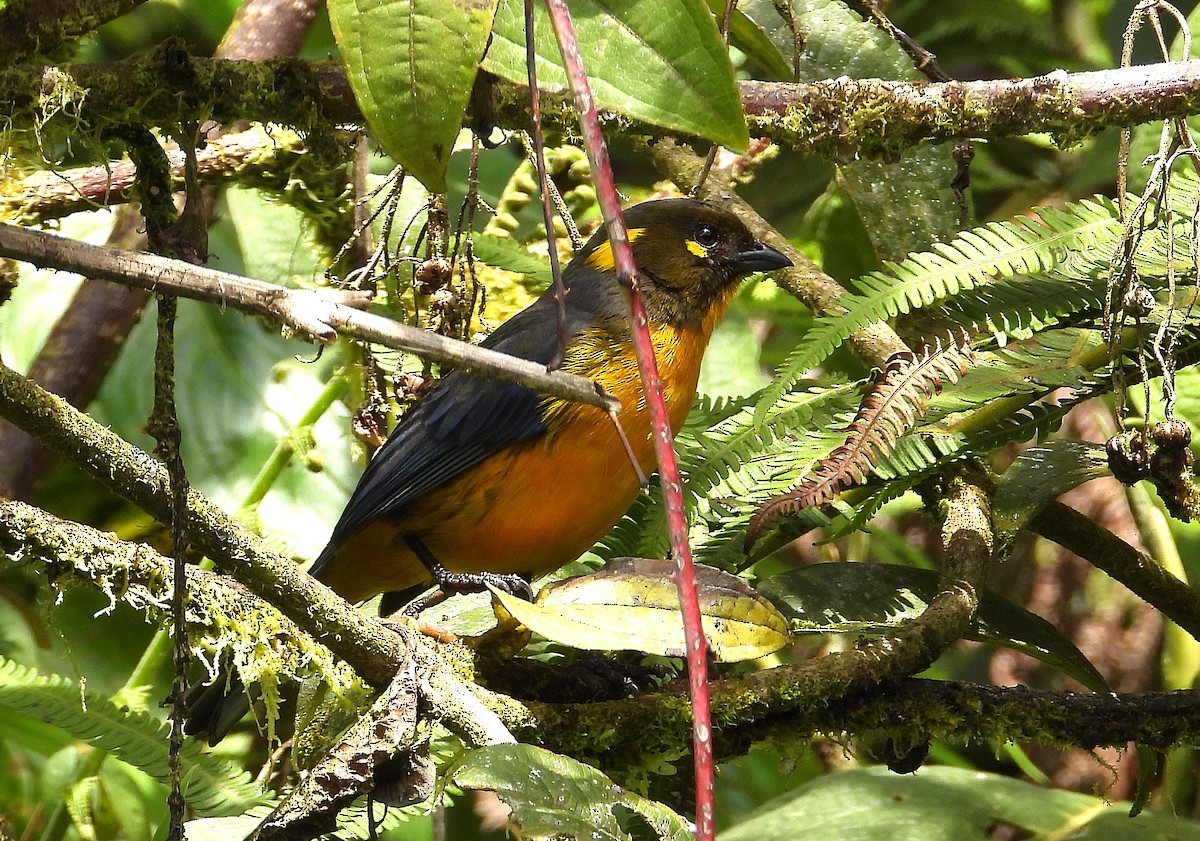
602 258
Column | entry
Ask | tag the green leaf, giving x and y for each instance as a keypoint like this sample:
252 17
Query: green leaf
211 786
555 796
948 804
632 605
1040 475
411 64
754 41
507 254
661 62
275 247
874 598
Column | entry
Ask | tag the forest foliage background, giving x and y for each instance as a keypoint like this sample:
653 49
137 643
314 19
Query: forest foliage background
268 434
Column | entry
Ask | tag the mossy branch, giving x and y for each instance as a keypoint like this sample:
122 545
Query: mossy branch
280 629
916 710
793 699
370 649
1107 552
252 157
841 119
847 118
169 85
37 27
138 575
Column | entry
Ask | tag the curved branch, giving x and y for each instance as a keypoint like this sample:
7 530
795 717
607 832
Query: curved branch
139 575
1107 552
319 314
370 649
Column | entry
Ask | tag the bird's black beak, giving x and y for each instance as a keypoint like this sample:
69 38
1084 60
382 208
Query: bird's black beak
760 258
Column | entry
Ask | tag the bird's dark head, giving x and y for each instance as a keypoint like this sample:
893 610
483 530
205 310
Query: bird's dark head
690 254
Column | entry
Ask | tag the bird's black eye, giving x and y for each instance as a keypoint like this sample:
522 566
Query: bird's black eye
706 235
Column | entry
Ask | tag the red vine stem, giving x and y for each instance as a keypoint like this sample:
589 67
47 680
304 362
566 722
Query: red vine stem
668 469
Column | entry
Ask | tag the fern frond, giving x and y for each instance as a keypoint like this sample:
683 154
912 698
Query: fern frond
724 457
1012 310
889 408
210 785
738 440
1029 245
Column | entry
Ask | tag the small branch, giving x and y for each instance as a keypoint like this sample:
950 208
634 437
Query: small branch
317 314
264 29
931 709
244 156
847 118
38 27
1109 553
138 575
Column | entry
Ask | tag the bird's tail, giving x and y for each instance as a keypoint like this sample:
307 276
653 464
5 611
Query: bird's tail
214 708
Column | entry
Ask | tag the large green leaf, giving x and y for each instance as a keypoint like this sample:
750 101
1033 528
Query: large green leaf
555 796
948 804
411 64
874 598
661 62
835 42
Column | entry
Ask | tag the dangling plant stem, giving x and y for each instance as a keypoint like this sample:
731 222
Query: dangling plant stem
539 158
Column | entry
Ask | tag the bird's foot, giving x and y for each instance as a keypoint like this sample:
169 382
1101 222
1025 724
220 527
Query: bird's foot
457 583
452 583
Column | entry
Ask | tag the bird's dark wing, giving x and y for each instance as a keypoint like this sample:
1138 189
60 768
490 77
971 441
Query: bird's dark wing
461 422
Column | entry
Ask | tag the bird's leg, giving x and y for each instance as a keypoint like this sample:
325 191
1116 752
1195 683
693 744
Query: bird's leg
449 583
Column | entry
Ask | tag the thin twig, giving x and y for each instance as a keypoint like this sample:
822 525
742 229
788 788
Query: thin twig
320 314
698 187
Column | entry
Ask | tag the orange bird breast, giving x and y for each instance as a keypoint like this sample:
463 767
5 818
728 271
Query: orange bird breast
539 504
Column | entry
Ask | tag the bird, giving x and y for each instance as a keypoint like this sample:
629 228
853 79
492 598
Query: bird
484 481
